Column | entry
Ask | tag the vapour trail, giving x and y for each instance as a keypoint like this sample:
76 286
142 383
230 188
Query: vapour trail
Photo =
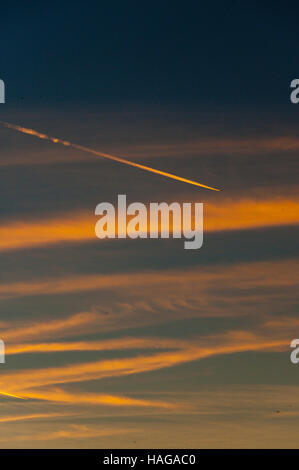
102 154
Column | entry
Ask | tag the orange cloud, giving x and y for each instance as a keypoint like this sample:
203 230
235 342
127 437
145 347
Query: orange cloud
27 384
245 214
228 344
74 431
78 228
72 324
61 396
105 345
11 395
245 274
9 419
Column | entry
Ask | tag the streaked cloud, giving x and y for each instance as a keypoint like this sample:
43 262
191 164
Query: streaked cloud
229 343
73 431
246 274
37 416
79 227
233 146
42 330
105 345
61 396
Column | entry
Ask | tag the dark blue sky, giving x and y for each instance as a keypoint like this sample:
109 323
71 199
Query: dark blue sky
216 53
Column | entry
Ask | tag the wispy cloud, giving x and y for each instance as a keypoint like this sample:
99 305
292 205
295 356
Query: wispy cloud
105 345
29 417
70 432
43 330
248 275
234 146
231 343
79 227
61 396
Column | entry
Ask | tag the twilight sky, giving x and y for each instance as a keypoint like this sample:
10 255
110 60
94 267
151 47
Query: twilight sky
140 343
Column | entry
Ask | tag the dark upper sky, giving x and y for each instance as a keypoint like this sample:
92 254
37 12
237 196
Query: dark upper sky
215 53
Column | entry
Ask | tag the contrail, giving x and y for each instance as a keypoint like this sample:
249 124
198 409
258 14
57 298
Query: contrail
102 154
